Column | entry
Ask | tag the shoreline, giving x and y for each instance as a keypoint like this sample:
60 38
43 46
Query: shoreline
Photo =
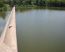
38 7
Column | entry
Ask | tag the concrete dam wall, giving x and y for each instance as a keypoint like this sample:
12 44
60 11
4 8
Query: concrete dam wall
8 39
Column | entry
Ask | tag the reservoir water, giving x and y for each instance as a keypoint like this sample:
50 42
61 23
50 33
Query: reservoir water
38 30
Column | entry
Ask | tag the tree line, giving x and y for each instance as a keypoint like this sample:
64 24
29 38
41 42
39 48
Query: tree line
52 3
2 6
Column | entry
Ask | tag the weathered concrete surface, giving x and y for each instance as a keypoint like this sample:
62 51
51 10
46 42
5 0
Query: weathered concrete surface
8 40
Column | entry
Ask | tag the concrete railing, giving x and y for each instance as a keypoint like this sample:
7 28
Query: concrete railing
8 40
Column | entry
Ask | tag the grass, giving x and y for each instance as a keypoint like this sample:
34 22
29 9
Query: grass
26 6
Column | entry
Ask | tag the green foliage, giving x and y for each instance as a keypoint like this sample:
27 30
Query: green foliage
1 4
53 3
26 6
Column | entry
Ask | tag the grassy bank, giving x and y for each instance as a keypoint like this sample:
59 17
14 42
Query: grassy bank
38 7
26 6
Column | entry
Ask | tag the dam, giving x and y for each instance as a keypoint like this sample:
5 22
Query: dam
8 40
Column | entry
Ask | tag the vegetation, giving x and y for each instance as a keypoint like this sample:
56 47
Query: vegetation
53 3
26 6
31 3
2 6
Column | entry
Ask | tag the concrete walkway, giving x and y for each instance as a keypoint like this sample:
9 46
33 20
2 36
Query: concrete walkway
8 40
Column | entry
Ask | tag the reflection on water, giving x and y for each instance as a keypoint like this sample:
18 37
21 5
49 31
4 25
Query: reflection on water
41 30
3 18
22 10
3 14
50 8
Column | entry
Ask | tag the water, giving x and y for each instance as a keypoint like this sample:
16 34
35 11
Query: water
39 30
3 19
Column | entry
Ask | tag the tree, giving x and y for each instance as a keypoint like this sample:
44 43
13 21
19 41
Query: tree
2 4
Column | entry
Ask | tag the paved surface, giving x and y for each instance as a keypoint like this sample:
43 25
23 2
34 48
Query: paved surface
8 40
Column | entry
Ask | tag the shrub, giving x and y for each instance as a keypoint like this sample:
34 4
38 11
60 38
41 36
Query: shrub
1 4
